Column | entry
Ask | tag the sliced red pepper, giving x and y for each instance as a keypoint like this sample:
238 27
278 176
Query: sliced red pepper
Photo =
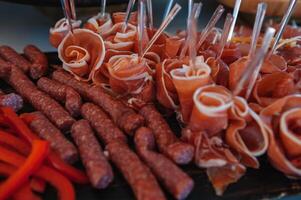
25 192
61 183
18 144
38 185
35 159
18 124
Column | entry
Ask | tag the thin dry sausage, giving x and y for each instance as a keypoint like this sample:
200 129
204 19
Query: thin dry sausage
168 143
123 116
62 93
138 175
39 62
176 181
47 131
10 55
97 167
102 124
38 99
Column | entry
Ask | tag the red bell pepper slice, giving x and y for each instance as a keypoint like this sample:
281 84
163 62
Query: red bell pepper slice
60 182
35 159
71 172
18 144
25 192
38 185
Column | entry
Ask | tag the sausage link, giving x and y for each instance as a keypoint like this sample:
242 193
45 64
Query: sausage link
123 116
62 93
38 99
98 168
168 143
47 131
39 62
102 124
177 182
13 57
139 176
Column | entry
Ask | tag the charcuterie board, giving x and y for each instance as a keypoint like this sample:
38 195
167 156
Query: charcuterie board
263 183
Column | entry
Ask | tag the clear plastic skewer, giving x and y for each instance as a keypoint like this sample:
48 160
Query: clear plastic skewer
261 9
252 69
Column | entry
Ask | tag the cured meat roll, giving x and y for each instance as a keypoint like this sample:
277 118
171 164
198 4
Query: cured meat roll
47 131
38 99
168 143
98 168
62 93
102 124
11 100
177 182
139 176
283 118
13 57
124 117
39 62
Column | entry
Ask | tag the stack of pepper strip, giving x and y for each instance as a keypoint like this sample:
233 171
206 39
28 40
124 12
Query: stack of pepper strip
28 162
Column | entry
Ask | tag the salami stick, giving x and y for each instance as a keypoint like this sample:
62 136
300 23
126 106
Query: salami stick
177 182
124 117
102 124
39 62
98 168
168 143
47 131
11 100
38 99
13 57
62 93
139 176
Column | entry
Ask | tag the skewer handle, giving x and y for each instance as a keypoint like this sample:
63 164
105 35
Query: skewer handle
235 14
261 9
128 14
284 21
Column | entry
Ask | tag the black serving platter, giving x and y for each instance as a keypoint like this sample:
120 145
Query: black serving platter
264 183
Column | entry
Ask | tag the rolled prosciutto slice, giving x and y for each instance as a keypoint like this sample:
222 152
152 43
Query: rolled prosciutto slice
116 39
283 119
131 75
120 17
166 91
60 30
82 53
211 104
186 80
211 153
99 24
247 133
272 87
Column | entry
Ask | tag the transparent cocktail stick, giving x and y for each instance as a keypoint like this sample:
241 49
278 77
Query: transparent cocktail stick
103 8
128 14
225 34
249 76
261 9
174 11
211 24
141 23
68 13
284 21
235 14
150 18
167 9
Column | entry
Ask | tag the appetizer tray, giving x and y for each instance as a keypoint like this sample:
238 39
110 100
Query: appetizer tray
263 183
